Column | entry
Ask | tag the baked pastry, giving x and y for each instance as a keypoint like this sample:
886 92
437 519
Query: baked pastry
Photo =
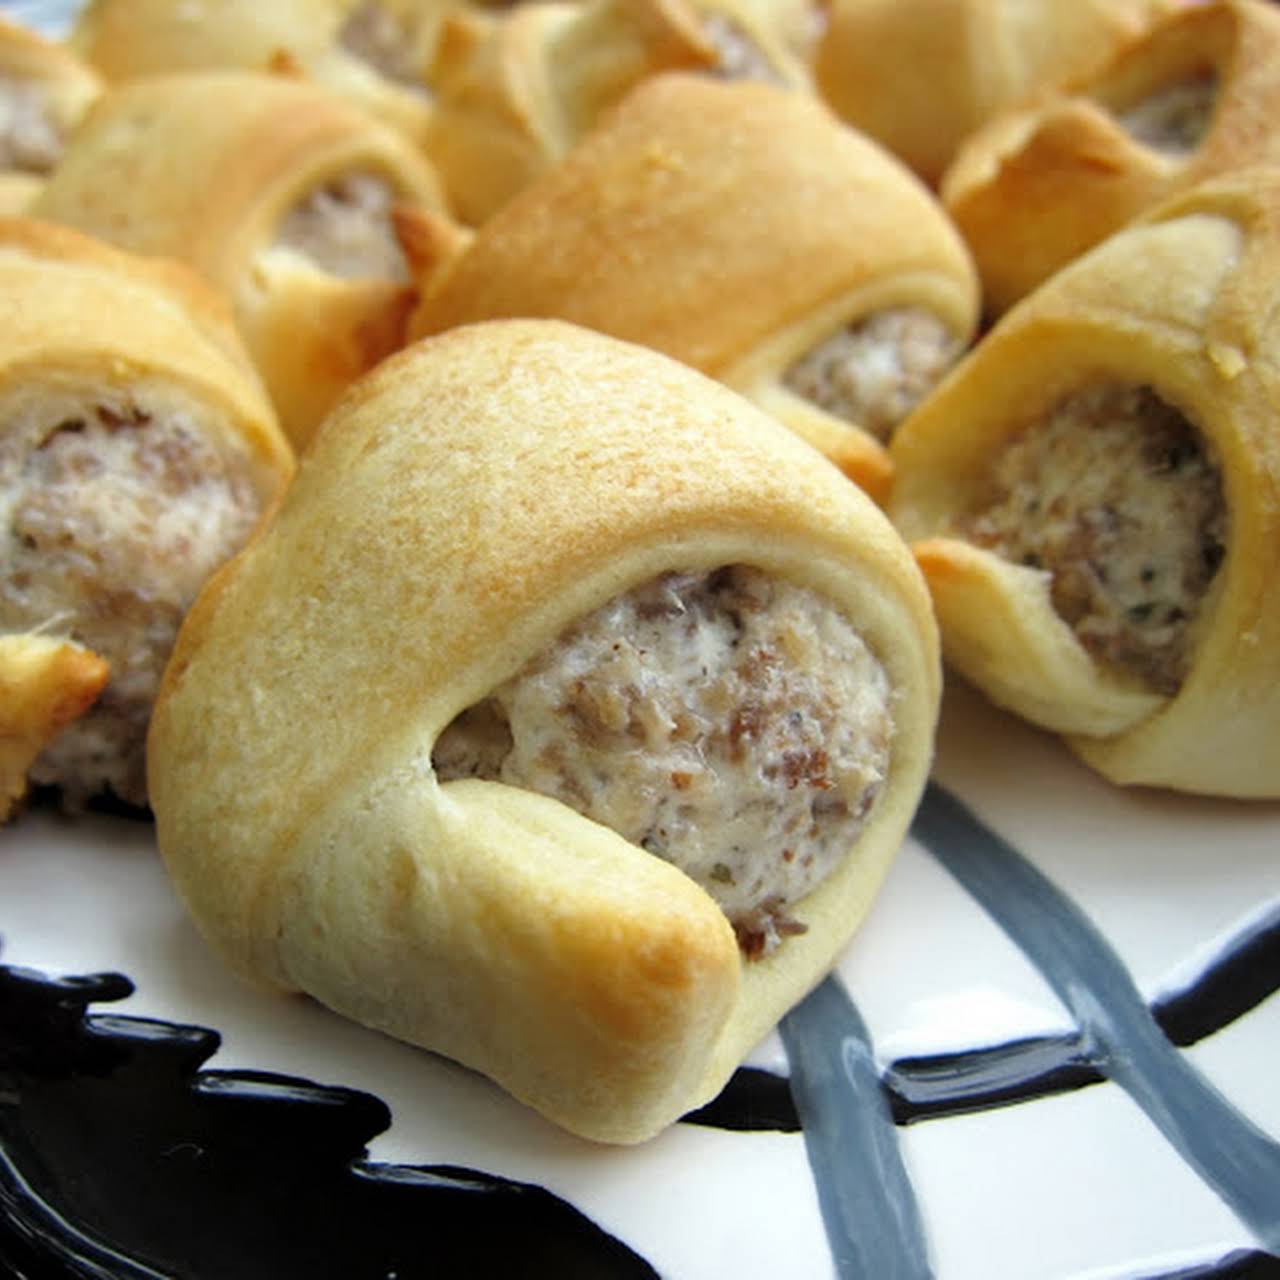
921 76
137 452
398 37
44 90
516 90
743 230
45 684
372 52
531 582
278 192
1094 498
1199 95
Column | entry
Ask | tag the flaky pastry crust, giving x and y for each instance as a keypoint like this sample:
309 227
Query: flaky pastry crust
1043 182
78 305
921 76
1182 303
204 168
130 39
516 91
732 226
63 86
467 501
45 683
83 319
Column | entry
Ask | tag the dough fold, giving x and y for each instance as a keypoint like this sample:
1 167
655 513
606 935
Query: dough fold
45 684
278 192
470 500
132 39
1048 179
920 77
735 227
516 91
44 91
137 451
1136 610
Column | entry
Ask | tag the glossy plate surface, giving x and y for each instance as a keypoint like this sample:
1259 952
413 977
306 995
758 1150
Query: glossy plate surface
1053 1051
1050 1052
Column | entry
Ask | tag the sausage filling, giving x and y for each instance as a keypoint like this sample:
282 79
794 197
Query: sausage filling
876 371
30 138
1177 118
738 57
1119 498
115 509
345 228
385 41
732 723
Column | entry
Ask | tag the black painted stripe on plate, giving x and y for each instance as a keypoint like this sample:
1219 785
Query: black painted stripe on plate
754 1101
1240 1264
38 1242
868 1205
947 1084
1243 974
239 1175
1231 1154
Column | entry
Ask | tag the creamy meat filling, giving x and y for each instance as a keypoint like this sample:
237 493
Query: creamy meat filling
344 227
386 40
738 56
115 510
1119 498
30 137
730 722
1175 119
874 372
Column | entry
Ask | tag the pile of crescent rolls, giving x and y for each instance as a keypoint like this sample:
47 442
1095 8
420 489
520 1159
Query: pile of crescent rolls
500 483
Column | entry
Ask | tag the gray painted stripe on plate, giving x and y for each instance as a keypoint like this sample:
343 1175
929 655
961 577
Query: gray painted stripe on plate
1232 1155
868 1205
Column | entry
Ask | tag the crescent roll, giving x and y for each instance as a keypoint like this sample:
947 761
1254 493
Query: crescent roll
746 232
515 91
1094 498
920 76
45 684
372 52
1198 96
137 451
278 192
44 90
564 721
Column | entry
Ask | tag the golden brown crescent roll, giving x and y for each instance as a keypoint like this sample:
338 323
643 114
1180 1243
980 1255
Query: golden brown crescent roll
515 91
769 40
743 230
1199 95
559 664
1094 498
137 450
277 191
921 75
44 90
372 52
45 684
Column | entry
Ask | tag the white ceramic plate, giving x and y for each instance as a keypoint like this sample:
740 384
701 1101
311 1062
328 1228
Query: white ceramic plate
983 975
1052 1051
